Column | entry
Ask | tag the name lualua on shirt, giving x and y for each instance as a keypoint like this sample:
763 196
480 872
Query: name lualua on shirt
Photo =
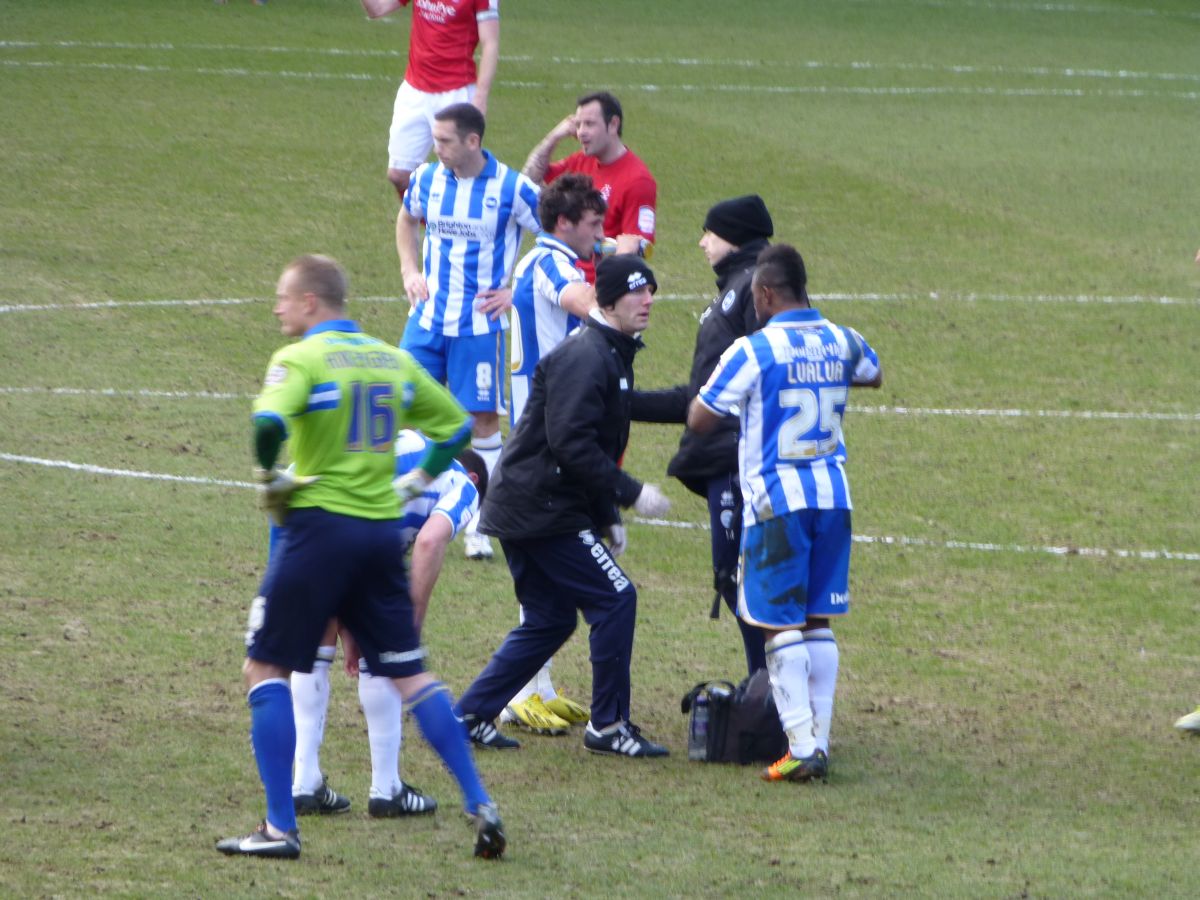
831 371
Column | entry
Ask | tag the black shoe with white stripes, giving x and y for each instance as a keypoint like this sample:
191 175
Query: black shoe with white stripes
324 801
485 734
622 739
408 801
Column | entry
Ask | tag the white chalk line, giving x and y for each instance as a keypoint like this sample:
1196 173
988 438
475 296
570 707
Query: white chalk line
122 473
886 540
879 297
787 89
947 412
1036 7
626 61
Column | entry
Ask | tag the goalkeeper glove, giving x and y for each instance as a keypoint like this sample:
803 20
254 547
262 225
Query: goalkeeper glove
411 485
651 502
275 488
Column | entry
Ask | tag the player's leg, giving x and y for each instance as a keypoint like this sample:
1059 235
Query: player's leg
285 626
725 521
310 704
773 596
528 707
547 621
828 596
378 612
583 570
383 708
475 375
410 137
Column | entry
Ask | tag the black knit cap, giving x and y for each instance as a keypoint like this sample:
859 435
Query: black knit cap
617 275
740 220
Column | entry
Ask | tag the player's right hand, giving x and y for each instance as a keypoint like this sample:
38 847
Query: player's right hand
275 488
410 485
651 502
416 288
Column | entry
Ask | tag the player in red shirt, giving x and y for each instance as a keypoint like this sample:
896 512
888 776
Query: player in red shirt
441 71
621 177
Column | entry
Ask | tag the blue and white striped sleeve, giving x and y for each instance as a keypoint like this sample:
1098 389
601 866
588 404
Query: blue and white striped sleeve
731 380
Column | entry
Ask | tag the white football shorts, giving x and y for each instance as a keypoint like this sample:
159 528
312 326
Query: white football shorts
411 136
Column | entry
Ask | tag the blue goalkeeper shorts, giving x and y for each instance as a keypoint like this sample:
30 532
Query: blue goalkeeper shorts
325 565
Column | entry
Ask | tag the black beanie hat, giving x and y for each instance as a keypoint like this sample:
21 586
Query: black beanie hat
617 275
740 220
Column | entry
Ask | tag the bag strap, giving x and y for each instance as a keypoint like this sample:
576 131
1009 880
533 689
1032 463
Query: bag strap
685 705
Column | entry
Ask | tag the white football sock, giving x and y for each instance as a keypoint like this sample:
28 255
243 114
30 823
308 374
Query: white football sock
381 704
545 686
822 681
788 667
310 702
489 449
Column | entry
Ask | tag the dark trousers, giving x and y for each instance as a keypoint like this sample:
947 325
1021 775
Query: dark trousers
555 578
725 521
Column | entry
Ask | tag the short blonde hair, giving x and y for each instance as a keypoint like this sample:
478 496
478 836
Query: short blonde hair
322 276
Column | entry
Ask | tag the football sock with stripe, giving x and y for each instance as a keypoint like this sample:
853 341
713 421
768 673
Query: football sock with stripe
381 703
445 733
310 703
273 735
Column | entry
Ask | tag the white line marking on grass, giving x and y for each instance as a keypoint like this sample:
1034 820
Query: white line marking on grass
146 393
1089 414
1093 552
1027 413
852 90
937 296
625 61
1039 7
121 473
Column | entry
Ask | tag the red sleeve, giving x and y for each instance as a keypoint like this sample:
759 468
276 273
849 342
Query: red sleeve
640 208
554 170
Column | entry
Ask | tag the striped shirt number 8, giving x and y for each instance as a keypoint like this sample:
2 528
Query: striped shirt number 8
374 419
821 407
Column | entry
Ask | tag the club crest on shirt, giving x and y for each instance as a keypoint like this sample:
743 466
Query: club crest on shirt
727 301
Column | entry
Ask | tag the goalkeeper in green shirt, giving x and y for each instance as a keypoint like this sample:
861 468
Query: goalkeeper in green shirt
338 397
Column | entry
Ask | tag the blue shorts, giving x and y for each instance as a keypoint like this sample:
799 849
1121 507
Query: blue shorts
324 565
795 566
470 365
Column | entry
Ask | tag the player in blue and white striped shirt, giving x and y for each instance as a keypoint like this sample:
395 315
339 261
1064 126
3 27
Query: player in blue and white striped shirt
474 208
428 523
550 295
790 382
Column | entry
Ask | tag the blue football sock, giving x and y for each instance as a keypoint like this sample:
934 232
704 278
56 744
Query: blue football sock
273 734
446 735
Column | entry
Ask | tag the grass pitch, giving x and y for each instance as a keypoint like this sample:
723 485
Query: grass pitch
999 195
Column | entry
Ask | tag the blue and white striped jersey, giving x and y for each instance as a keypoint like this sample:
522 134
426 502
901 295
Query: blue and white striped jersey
452 494
539 322
791 381
472 235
